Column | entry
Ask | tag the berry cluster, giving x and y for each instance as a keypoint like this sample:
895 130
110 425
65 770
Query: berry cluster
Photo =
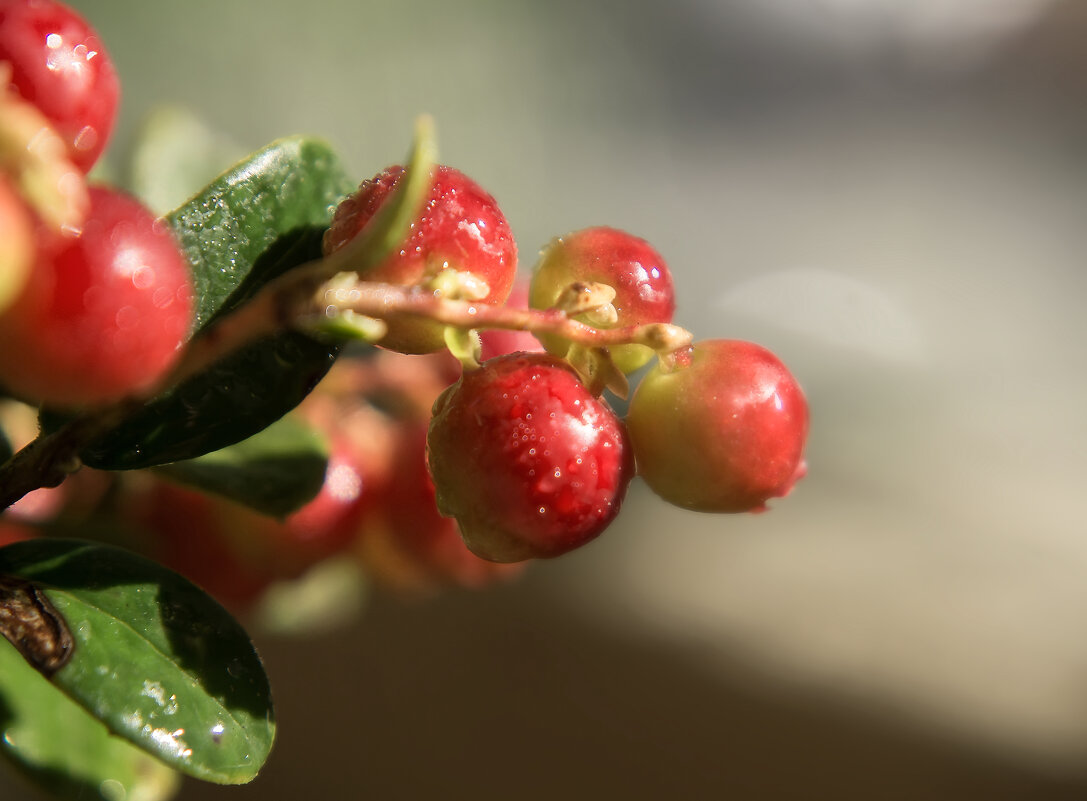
441 469
194 387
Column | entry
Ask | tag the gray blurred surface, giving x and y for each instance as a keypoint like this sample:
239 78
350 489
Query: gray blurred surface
891 197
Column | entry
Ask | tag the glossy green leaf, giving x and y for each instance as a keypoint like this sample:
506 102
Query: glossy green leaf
275 472
227 230
65 751
155 659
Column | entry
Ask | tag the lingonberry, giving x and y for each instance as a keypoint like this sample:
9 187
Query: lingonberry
460 227
721 431
526 459
629 265
57 62
102 313
407 543
16 243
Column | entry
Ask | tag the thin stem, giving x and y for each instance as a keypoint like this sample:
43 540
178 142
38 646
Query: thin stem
387 301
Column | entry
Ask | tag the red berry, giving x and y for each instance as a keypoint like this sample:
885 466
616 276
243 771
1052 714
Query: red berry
58 63
723 431
460 227
629 265
103 313
526 459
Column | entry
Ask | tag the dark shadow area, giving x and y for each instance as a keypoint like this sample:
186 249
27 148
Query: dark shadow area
500 696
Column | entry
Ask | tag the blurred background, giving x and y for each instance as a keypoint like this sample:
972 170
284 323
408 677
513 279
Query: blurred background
888 194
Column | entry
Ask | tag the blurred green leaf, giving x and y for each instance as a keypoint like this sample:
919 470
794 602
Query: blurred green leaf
65 751
155 659
275 472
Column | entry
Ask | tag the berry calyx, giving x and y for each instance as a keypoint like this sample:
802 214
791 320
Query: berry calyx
57 62
103 313
721 431
460 228
526 459
631 266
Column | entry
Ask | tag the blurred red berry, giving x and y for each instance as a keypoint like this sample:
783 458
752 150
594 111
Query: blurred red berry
57 62
103 314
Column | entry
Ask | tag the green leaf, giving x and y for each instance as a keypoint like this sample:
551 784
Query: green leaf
154 658
65 751
276 471
290 185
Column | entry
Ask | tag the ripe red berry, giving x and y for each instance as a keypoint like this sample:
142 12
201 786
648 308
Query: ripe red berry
102 314
58 63
723 431
629 265
460 227
526 459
